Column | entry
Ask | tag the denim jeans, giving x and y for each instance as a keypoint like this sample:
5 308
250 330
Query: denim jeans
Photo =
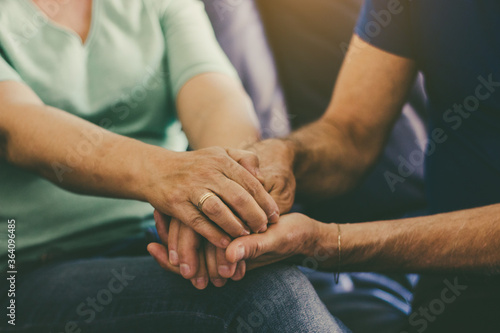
133 294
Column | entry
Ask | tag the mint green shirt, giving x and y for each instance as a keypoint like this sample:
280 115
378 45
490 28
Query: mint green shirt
125 78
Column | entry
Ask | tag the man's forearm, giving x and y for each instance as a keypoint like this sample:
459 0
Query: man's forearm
326 161
332 154
467 240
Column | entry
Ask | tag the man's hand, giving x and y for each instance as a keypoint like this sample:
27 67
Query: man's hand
295 235
240 205
276 160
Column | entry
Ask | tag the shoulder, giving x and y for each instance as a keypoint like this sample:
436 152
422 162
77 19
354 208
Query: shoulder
158 6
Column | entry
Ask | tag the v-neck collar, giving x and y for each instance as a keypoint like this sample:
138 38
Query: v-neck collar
93 22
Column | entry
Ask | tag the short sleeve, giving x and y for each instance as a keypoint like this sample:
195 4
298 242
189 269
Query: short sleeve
386 24
192 48
7 73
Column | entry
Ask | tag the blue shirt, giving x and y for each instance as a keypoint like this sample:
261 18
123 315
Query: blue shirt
456 44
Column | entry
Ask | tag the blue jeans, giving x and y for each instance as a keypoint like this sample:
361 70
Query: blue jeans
133 294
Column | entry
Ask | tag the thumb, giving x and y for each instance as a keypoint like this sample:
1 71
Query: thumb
249 247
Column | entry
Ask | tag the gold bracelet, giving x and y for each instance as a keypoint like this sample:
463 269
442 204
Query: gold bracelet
339 247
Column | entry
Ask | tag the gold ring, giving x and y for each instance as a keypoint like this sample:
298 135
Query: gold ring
203 199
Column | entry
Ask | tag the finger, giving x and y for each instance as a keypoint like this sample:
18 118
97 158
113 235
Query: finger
240 271
217 211
250 247
211 260
172 241
244 204
283 192
200 281
191 216
188 246
225 268
247 159
257 191
159 253
162 223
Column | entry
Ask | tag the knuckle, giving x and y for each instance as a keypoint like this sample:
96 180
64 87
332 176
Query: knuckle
279 182
217 152
174 197
261 221
213 207
197 222
257 221
255 250
241 198
287 196
253 188
220 160
251 157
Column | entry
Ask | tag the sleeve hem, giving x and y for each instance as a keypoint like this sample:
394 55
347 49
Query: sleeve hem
367 39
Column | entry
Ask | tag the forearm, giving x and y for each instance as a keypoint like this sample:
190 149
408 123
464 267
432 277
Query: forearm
333 154
73 153
326 160
221 114
467 241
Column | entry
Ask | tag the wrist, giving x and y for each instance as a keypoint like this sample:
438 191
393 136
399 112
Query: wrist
321 242
289 148
153 165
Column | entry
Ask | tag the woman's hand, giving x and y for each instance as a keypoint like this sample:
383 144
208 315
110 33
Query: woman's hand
186 253
240 204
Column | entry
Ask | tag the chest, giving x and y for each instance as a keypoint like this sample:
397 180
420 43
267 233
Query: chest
457 42
74 15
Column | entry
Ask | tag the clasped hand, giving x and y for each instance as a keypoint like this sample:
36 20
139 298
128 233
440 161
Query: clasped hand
213 244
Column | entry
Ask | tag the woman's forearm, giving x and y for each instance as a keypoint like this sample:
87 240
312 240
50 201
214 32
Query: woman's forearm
80 156
221 114
467 240
71 152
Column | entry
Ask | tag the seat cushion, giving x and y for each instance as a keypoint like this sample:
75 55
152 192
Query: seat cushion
239 30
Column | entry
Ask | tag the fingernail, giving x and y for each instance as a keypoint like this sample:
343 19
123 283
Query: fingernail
274 217
224 242
174 258
218 282
240 252
185 269
263 229
201 283
224 270
245 232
